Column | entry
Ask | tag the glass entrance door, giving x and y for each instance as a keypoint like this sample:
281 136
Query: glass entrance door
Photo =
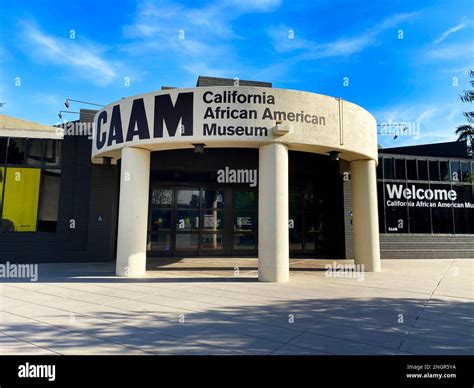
244 228
188 221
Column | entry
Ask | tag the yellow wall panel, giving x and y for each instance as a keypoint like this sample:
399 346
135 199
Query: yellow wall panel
22 186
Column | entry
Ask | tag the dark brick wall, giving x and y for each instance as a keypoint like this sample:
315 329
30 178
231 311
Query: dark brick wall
426 246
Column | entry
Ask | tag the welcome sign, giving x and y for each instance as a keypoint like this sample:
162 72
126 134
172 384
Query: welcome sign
400 195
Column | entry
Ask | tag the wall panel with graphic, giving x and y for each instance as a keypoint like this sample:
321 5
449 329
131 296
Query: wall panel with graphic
426 195
30 171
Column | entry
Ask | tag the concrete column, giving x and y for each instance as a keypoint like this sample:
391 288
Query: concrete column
133 212
365 220
273 234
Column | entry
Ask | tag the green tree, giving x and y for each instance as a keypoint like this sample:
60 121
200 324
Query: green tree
465 132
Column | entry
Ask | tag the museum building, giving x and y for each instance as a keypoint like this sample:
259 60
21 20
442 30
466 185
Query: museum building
228 169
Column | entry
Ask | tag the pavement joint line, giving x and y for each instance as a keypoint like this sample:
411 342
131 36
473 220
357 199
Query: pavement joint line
81 333
442 279
301 291
456 297
108 288
378 288
209 293
220 315
213 313
424 305
298 346
340 339
85 301
28 342
111 304
70 289
86 315
155 331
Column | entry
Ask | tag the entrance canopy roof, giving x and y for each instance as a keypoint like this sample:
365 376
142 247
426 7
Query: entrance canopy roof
235 117
14 127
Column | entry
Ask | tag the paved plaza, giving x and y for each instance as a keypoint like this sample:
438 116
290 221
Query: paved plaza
217 306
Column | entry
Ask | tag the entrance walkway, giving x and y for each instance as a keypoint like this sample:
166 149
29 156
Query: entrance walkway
227 267
411 307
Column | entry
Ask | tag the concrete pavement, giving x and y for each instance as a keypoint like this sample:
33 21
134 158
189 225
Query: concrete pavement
217 306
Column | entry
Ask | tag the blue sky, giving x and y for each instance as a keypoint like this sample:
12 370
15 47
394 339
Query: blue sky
398 59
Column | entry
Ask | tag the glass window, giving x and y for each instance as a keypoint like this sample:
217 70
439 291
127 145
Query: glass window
465 172
396 215
187 220
422 170
442 217
244 241
245 221
187 241
212 199
3 149
464 217
434 170
388 168
455 172
52 153
420 216
188 198
245 199
295 223
34 152
380 203
444 170
309 201
310 239
442 220
160 242
162 197
16 151
396 219
160 220
315 230
400 169
380 169
212 241
411 170
213 220
49 200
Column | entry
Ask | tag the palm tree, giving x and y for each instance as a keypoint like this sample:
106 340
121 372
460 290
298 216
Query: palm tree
465 132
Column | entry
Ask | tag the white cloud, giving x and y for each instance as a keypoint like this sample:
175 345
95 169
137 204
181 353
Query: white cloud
431 122
445 34
201 68
198 38
339 47
452 51
154 17
86 59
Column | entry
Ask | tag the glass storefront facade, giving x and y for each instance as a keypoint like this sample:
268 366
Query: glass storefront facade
205 220
30 173
191 214
425 195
